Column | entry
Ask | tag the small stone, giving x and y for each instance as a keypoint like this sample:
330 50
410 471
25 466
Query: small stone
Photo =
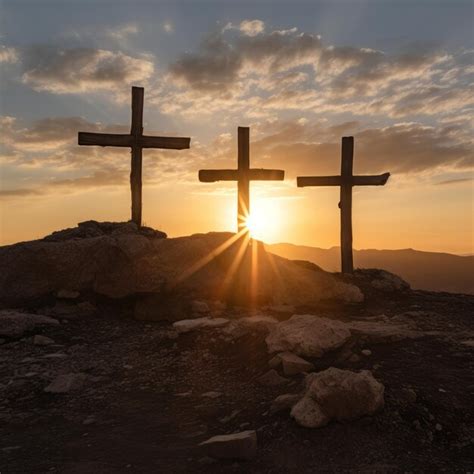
354 358
241 445
68 294
66 383
55 355
438 427
292 364
40 340
89 420
366 352
408 396
284 402
274 362
230 417
199 307
272 379
417 425
211 394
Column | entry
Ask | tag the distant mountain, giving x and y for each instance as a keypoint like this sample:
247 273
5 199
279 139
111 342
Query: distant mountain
423 270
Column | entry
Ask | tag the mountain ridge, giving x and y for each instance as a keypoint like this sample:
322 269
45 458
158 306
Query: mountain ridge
424 270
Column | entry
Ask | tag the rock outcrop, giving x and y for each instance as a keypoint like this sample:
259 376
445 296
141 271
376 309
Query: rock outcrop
118 261
338 394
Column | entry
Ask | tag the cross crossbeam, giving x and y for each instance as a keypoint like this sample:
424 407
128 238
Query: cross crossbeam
346 181
136 141
243 175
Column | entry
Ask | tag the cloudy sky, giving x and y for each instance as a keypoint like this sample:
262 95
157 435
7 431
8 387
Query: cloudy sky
397 75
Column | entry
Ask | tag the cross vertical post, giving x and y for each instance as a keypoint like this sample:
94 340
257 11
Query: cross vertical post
346 181
136 165
136 141
243 182
243 175
345 204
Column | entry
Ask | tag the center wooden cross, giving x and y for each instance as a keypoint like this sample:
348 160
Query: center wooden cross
346 181
243 175
136 141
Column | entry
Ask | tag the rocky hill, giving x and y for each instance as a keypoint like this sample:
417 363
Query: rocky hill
124 351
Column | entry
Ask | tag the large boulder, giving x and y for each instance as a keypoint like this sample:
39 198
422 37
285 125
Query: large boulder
122 261
307 335
338 394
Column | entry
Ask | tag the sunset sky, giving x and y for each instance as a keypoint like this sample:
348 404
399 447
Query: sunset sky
397 75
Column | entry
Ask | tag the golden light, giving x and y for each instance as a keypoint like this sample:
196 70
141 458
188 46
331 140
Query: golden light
264 220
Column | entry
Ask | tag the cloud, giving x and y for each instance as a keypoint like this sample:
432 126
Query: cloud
455 181
252 27
312 149
271 72
65 71
168 27
98 179
8 55
122 32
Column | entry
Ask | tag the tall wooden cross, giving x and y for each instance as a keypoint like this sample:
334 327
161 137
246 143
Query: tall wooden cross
346 181
136 141
243 175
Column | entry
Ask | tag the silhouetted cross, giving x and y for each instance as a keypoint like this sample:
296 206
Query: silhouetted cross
346 181
243 175
136 141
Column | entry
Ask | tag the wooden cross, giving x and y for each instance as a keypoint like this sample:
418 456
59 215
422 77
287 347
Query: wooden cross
243 175
346 181
136 141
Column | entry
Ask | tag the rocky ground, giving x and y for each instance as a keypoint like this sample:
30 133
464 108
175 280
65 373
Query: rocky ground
140 397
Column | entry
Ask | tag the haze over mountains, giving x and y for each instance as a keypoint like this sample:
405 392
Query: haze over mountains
423 270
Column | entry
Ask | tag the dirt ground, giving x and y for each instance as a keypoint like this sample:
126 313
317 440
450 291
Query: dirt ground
142 408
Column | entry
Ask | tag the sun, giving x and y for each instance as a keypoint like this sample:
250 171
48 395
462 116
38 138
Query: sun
263 222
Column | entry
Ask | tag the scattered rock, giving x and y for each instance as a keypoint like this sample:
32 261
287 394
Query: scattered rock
15 324
308 413
438 427
366 352
274 362
89 420
40 340
292 364
200 307
230 417
282 309
66 383
241 445
187 325
407 396
272 379
211 395
67 294
383 329
307 335
338 394
284 402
